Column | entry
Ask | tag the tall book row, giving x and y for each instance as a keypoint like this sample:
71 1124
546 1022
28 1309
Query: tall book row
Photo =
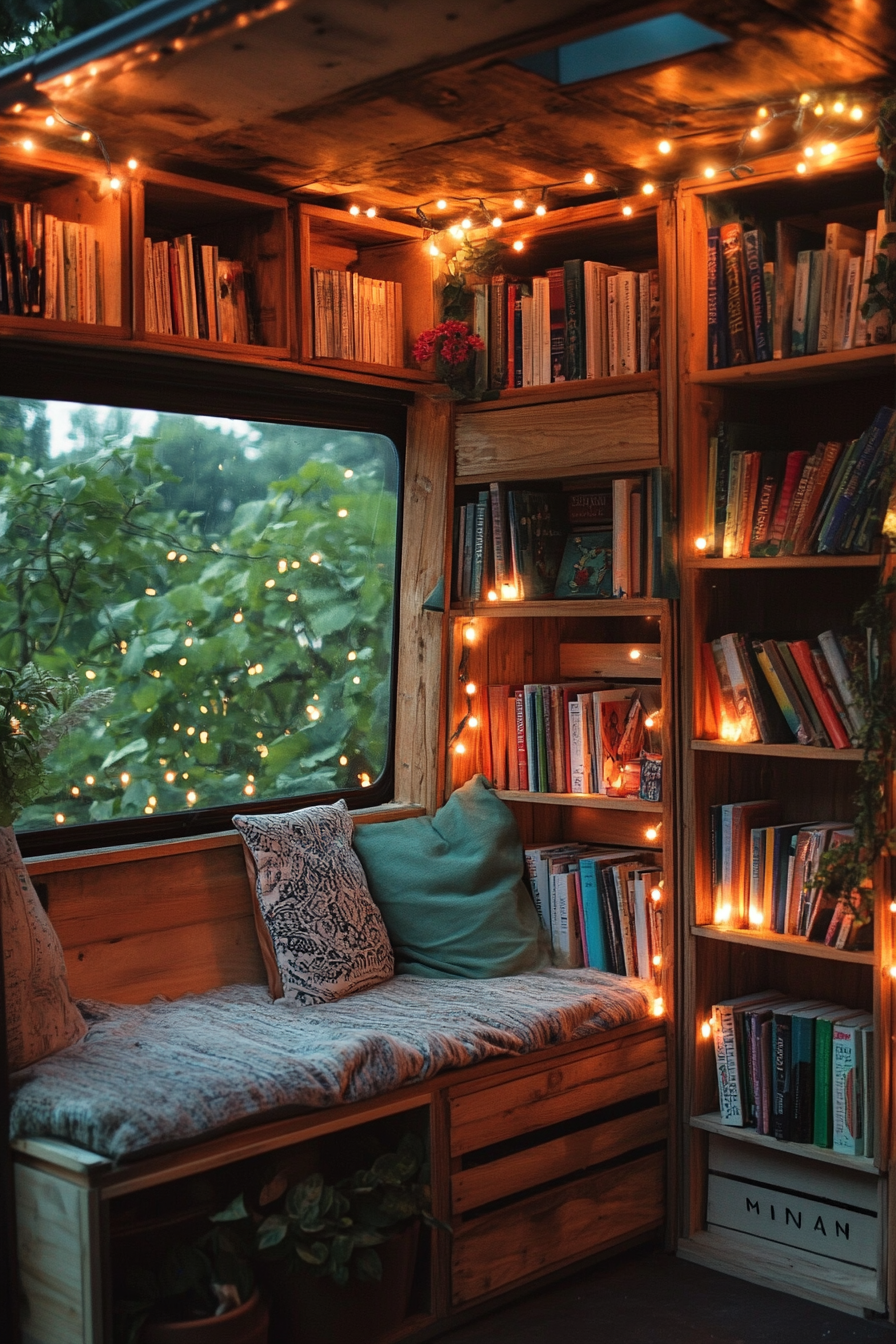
357 318
799 1071
610 541
583 319
778 690
49 267
577 737
599 905
807 299
764 499
189 290
764 874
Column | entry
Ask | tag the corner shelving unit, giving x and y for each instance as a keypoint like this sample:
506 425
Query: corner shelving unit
815 397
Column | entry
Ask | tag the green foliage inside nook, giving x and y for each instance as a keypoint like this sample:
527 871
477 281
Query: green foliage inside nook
215 576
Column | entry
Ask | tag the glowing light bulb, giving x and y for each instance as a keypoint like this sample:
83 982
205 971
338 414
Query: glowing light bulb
115 183
28 145
839 107
518 245
763 112
893 972
86 137
181 662
466 223
270 583
297 564
856 113
150 592
248 790
315 558
818 109
805 99
627 211
132 164
709 172
59 818
656 959
700 543
470 688
472 721
651 833
665 146
49 121
723 913
343 760
293 597
658 1007
755 133
370 212
492 595
75 791
181 559
518 203
656 894
809 152
434 251
470 634
588 179
365 780
648 188
354 209
459 749
801 167
541 209
238 618
89 779
125 778
191 796
757 918
649 721
348 474
893 907
828 149
497 221
356 681
18 107
90 674
634 654
441 205
153 800
351 656
170 776
706 1030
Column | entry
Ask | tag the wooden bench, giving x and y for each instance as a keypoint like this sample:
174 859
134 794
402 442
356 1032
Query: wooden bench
538 1162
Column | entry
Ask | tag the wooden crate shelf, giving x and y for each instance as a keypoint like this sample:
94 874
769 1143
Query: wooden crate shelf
782 942
712 1123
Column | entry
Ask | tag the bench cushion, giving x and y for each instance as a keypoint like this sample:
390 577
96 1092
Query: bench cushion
162 1074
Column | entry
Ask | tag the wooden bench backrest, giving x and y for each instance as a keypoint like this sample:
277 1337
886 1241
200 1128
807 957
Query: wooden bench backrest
170 918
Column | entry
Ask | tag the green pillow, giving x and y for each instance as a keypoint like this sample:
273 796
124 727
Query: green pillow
451 889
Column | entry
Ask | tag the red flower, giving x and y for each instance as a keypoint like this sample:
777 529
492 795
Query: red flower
452 341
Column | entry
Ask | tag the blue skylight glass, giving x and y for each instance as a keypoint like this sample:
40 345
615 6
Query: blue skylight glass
660 39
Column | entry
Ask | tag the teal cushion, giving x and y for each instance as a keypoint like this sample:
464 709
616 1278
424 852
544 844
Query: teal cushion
451 889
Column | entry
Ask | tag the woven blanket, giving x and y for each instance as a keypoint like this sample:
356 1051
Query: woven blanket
153 1075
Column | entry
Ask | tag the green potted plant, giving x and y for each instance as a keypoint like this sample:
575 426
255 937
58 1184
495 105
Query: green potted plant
339 1258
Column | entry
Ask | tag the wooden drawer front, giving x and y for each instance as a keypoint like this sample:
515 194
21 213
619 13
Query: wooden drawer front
557 1158
586 1083
502 1248
518 442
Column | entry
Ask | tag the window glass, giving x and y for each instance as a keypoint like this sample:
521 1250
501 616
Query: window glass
229 586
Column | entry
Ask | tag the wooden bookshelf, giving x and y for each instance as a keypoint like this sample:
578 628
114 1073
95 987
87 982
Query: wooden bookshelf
611 607
597 800
382 249
814 398
76 189
245 225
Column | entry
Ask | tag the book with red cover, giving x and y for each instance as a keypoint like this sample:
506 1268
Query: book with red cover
802 656
771 474
806 522
792 473
520 741
513 765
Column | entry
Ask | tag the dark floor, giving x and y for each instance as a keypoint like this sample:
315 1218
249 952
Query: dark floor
648 1297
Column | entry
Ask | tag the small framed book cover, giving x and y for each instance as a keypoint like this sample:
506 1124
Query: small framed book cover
586 569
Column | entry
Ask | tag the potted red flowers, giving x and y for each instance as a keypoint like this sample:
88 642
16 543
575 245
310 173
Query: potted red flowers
455 348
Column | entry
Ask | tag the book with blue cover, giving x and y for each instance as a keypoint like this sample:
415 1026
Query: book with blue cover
586 569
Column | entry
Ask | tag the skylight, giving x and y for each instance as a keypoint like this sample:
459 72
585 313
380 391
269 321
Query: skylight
636 44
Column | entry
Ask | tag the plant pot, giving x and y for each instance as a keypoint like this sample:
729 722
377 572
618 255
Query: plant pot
247 1324
306 1310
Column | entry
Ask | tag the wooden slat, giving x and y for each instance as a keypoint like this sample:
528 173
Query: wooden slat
563 1224
596 800
549 1161
545 1098
783 749
59 1259
577 390
422 633
186 960
857 363
619 433
578 661
787 942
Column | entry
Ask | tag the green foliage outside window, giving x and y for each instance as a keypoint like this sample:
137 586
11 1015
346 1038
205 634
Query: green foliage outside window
231 585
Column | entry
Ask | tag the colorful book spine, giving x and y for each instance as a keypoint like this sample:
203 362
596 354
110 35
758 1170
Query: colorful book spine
740 345
754 262
557 299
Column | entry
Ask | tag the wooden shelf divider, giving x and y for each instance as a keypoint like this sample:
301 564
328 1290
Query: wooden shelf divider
712 1123
782 942
792 751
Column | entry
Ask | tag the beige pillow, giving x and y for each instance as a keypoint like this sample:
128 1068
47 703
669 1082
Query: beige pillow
40 1015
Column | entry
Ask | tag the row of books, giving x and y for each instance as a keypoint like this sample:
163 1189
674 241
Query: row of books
764 874
600 906
778 690
800 1071
357 318
763 499
190 290
584 319
806 301
584 737
49 267
610 541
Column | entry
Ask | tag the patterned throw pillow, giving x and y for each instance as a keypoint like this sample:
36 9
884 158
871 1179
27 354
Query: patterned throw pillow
40 1015
321 935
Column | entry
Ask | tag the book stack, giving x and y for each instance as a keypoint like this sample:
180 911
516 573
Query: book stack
800 1071
597 905
611 541
778 690
805 300
357 318
583 319
764 499
189 290
49 267
577 737
764 874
